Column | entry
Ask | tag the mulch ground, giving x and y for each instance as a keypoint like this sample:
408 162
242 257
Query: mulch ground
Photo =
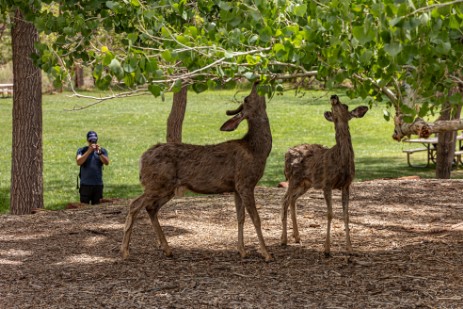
407 236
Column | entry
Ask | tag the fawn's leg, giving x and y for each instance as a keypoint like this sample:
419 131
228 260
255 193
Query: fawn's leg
292 194
153 210
329 215
247 197
240 217
345 211
134 208
284 218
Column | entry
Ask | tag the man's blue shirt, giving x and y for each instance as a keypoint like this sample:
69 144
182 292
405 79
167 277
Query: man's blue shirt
91 172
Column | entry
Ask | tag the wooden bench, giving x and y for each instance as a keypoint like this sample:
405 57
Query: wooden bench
409 152
6 90
458 155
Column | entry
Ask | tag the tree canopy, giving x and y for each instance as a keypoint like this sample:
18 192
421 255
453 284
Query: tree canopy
160 44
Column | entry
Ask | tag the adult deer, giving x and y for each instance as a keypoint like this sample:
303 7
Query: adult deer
323 168
232 166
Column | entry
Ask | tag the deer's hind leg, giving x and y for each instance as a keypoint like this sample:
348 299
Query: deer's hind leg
294 191
153 210
345 211
240 218
248 200
134 209
327 193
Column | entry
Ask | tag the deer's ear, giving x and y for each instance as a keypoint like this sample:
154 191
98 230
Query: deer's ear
232 124
359 112
329 116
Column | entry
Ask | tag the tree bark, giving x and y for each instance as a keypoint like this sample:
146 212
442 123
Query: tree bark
445 147
27 157
424 129
78 76
176 116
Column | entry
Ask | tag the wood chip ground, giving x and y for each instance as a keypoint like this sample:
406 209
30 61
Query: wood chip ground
407 237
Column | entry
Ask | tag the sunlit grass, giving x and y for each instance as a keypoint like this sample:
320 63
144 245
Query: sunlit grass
127 127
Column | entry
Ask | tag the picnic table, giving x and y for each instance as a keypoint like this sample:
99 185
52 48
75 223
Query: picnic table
6 90
428 146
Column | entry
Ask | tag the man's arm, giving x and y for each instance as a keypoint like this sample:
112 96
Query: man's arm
81 158
103 158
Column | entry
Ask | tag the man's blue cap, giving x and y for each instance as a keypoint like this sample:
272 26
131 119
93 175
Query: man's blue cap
92 137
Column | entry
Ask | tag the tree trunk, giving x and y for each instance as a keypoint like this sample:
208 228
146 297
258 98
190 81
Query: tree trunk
446 143
79 76
27 157
445 148
177 114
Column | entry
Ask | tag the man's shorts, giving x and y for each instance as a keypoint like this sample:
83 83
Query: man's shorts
91 194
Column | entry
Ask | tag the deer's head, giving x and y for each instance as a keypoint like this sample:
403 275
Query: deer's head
252 107
340 112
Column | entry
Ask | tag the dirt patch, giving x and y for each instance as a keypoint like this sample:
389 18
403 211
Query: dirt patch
407 235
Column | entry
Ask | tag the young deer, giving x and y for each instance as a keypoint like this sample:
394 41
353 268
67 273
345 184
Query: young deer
319 167
232 166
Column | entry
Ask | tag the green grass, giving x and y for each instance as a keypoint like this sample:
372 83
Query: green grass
127 127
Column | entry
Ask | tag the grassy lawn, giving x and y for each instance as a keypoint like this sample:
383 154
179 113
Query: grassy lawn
127 127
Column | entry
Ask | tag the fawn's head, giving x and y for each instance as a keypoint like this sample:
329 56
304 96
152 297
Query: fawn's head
340 112
252 107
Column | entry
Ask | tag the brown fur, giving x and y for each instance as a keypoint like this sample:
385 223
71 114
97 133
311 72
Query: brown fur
232 166
323 168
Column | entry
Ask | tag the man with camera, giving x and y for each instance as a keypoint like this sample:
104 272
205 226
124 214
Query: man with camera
91 159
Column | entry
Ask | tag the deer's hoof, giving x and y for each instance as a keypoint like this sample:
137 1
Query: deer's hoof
268 257
168 253
124 254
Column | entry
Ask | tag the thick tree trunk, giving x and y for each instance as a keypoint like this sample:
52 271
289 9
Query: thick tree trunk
177 114
445 147
27 158
446 144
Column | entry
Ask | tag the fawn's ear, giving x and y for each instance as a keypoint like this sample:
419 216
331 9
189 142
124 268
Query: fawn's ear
232 124
329 116
359 112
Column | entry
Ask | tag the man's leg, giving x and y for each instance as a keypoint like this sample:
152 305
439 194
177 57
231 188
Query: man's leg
97 194
85 194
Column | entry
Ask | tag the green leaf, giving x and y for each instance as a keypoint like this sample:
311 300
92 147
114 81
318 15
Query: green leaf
199 87
454 24
129 80
455 99
193 31
211 84
265 34
116 69
393 49
110 4
252 60
166 55
132 37
362 35
300 10
128 68
366 56
182 39
177 86
103 83
151 66
155 90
